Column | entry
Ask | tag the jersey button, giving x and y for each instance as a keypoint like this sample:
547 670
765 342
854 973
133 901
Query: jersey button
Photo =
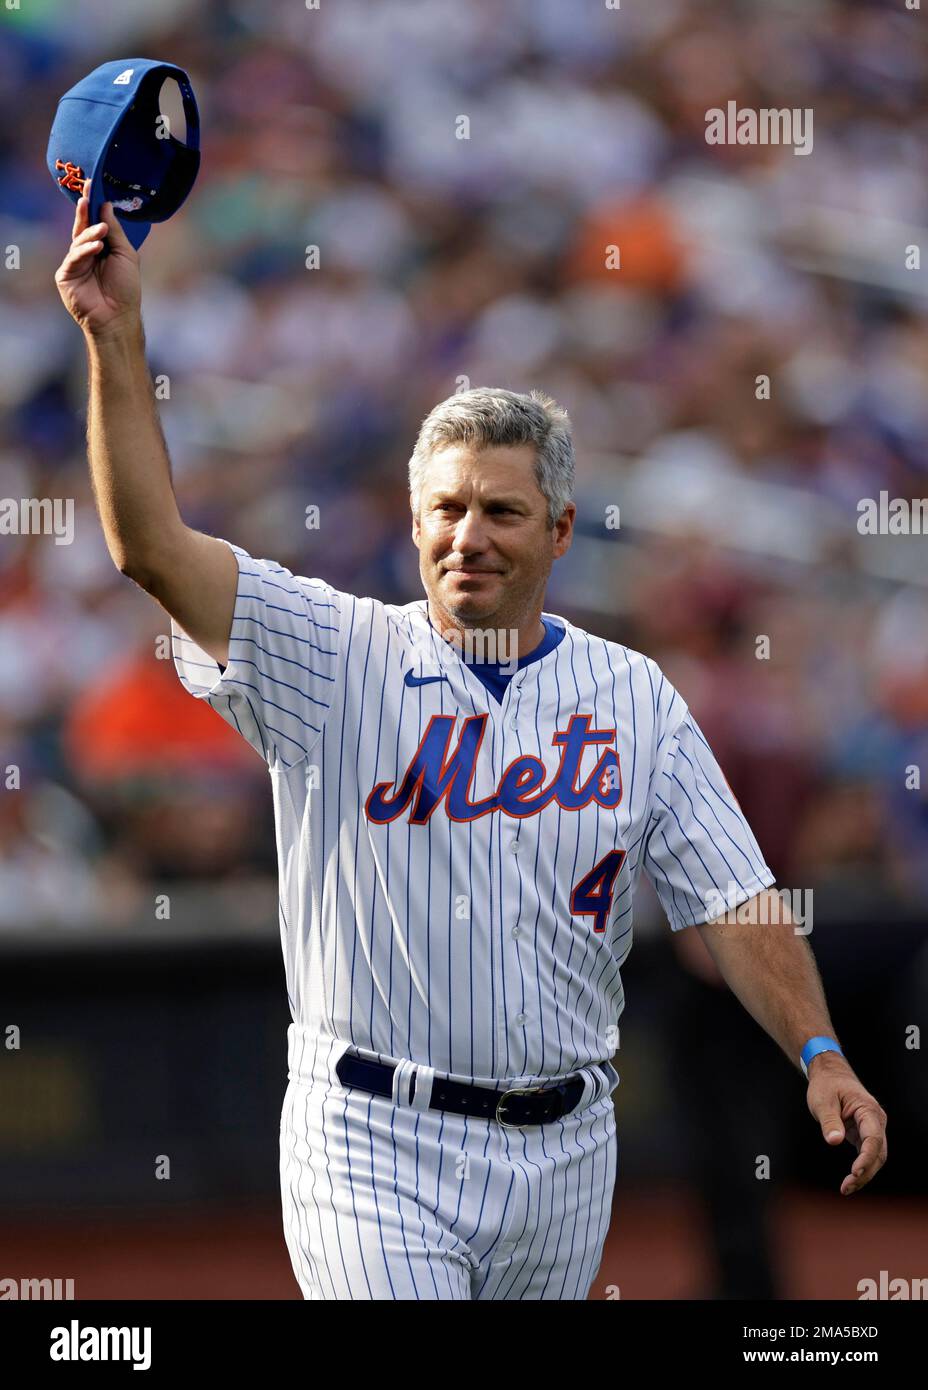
514 846
515 931
521 1018
513 723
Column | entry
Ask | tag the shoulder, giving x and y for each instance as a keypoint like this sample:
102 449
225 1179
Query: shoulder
404 622
266 576
639 674
353 620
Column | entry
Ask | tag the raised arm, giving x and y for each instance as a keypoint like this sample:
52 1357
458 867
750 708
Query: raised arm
193 576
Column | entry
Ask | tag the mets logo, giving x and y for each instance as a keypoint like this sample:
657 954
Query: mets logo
73 176
433 775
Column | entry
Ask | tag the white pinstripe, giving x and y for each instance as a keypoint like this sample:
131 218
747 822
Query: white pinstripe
412 931
406 1218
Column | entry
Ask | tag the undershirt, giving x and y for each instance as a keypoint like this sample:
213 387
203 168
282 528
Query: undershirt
496 680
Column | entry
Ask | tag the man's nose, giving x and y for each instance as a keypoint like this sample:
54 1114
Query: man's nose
470 533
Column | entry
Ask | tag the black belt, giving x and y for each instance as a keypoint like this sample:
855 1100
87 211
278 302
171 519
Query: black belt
530 1105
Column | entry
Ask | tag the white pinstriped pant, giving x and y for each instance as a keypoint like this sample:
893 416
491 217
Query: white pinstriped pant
389 1200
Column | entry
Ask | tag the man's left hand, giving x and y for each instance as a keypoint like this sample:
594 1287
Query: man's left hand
845 1109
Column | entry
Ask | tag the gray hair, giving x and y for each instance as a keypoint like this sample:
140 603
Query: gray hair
489 416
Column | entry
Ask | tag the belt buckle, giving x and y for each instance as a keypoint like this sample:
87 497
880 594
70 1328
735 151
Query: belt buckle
516 1091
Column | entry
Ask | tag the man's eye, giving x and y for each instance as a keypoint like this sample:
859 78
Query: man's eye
453 507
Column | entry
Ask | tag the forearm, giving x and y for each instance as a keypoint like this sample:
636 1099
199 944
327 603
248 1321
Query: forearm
772 971
129 466
193 576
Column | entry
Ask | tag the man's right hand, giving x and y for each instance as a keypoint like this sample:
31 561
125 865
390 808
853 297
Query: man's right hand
103 296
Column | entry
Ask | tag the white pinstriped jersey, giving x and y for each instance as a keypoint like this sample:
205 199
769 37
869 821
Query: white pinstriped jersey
457 872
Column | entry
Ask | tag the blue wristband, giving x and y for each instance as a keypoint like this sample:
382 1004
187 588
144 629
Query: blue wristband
813 1047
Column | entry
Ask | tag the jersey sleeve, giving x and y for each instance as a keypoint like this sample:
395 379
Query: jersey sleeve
283 660
700 854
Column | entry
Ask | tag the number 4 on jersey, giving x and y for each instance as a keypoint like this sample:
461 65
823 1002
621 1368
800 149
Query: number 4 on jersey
592 896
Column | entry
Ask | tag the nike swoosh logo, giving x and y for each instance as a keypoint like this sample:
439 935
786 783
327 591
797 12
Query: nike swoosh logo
412 679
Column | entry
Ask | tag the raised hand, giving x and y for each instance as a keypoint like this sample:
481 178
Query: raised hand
103 294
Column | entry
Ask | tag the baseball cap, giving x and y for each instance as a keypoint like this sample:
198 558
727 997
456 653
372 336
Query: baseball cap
107 129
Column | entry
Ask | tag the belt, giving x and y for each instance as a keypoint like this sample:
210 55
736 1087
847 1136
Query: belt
528 1105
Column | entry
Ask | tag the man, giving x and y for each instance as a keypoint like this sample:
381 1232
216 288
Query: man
459 839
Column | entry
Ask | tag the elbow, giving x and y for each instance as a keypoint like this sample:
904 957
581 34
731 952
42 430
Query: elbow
149 561
131 566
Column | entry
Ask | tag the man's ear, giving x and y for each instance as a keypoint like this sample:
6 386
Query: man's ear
564 530
415 529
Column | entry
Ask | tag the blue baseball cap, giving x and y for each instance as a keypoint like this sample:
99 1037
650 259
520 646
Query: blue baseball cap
106 129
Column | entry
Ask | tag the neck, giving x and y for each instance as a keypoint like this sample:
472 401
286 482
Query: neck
512 643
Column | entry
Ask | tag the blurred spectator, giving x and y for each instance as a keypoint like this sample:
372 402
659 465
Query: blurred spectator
486 259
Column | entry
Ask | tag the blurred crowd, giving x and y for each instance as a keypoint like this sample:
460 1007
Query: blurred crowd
447 261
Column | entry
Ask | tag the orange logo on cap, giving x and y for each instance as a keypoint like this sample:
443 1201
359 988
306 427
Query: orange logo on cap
73 176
